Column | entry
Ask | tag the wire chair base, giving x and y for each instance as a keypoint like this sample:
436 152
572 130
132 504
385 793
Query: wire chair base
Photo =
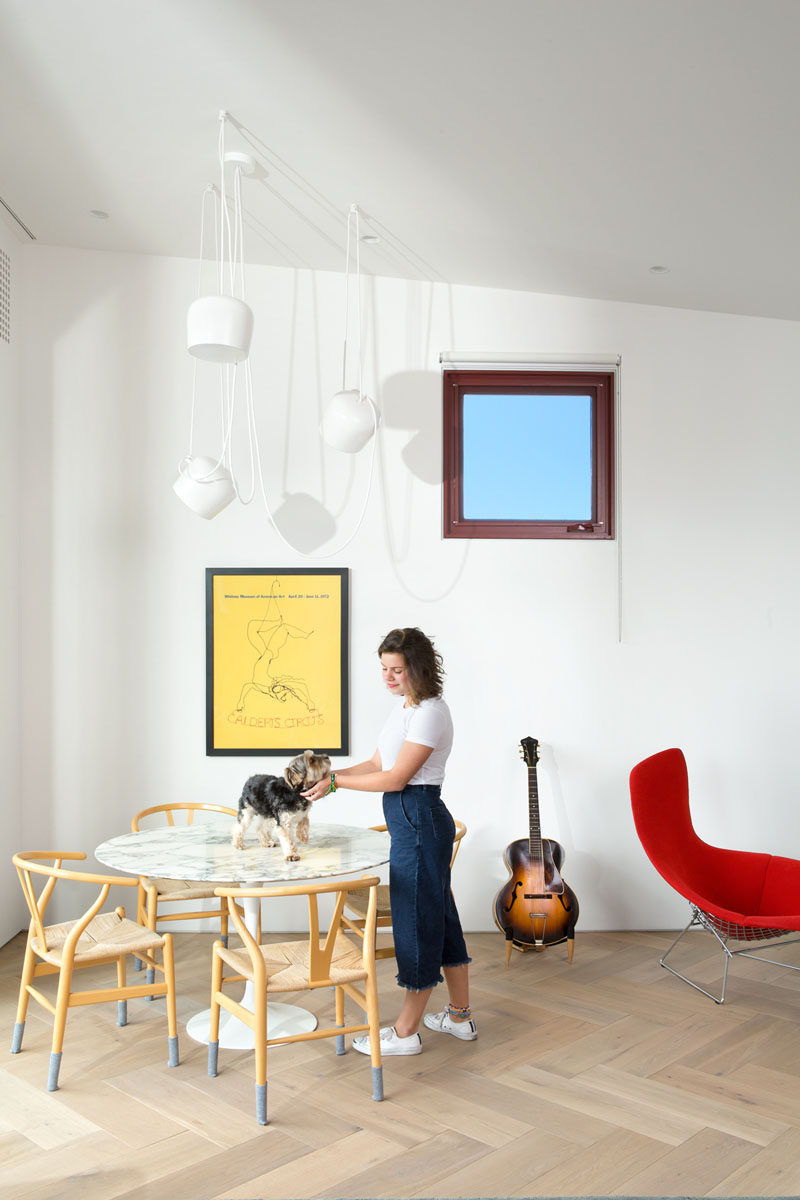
725 931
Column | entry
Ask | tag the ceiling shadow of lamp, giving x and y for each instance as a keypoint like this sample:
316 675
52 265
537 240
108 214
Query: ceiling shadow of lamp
303 522
351 418
411 403
204 486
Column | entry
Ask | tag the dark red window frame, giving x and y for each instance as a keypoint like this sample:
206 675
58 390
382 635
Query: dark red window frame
598 384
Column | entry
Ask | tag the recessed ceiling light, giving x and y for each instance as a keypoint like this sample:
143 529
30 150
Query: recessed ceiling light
99 213
370 239
659 270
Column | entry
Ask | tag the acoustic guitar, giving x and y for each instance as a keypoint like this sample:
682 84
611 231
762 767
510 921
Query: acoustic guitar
536 908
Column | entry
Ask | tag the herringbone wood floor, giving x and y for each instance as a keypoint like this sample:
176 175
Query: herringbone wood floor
604 1077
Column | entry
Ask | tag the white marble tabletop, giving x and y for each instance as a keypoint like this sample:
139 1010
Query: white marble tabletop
204 852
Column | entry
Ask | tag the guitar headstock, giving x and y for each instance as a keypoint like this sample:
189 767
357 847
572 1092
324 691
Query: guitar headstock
529 751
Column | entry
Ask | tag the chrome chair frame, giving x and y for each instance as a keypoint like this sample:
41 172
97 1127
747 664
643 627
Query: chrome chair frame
777 938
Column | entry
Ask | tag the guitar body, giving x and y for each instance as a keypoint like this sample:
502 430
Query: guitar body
536 908
529 917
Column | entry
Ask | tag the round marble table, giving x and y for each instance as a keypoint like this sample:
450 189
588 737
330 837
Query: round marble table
204 852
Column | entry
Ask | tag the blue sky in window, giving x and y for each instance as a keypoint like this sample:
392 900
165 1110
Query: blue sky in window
527 457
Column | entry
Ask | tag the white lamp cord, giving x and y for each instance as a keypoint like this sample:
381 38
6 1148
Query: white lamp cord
255 453
354 212
208 190
362 514
232 235
223 211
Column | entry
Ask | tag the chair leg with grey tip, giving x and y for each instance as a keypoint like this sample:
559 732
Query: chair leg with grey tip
261 1103
339 1019
377 1083
16 1040
213 1053
174 1053
52 1077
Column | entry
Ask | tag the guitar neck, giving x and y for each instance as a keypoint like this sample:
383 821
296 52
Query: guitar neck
535 847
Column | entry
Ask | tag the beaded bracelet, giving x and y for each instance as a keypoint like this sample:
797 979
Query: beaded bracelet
332 785
462 1013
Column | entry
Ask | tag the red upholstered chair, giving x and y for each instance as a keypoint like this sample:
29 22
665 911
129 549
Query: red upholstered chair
737 895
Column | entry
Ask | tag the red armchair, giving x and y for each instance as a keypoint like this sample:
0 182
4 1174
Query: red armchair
737 895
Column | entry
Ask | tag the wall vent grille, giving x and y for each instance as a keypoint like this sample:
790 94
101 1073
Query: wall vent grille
5 297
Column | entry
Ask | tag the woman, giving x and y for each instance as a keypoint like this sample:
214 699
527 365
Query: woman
408 767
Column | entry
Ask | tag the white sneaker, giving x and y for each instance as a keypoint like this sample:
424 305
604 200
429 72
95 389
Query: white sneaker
442 1022
391 1043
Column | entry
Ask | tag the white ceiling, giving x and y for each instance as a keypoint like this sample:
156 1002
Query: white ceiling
561 146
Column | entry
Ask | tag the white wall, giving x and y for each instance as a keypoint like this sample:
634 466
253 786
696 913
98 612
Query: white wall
113 631
12 906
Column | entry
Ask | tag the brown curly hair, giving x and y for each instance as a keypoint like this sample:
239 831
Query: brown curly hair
423 663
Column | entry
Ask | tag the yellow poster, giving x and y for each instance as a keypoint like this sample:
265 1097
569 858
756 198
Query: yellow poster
276 661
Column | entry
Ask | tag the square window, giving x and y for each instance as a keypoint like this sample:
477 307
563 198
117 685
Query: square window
528 454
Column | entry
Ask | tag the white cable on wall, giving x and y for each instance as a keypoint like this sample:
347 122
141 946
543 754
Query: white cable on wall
466 360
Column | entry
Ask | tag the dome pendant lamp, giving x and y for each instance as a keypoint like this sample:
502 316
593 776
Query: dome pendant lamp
351 418
204 486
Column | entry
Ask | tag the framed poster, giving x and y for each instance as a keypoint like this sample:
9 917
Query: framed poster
276 660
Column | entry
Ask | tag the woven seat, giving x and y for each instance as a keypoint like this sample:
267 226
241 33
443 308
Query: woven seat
736 895
355 901
172 890
104 937
317 961
95 938
287 964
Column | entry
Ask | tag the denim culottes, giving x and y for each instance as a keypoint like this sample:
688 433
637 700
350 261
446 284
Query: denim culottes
426 927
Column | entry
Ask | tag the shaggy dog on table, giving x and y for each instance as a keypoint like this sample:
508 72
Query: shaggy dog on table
275 804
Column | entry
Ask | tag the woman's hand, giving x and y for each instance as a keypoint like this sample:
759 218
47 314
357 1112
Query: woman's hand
320 788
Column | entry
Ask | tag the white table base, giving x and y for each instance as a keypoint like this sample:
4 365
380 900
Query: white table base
204 852
283 1020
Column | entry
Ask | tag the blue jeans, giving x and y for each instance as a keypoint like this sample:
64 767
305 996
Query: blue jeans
426 928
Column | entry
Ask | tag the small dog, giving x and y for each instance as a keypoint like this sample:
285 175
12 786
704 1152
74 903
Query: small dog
275 803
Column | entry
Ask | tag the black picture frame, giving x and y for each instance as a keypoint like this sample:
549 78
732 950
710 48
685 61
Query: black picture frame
277 660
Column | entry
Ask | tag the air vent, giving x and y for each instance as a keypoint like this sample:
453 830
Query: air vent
5 297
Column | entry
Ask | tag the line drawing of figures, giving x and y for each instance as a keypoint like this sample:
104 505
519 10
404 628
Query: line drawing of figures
268 635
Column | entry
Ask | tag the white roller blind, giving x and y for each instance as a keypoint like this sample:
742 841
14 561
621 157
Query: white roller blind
469 360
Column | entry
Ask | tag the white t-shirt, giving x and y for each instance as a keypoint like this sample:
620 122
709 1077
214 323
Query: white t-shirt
428 724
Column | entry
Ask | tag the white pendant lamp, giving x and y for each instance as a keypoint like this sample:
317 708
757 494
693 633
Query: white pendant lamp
204 486
219 329
351 418
219 326
349 421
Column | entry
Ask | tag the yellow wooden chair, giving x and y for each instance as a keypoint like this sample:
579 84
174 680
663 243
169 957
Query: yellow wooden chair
154 893
317 961
93 939
356 903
